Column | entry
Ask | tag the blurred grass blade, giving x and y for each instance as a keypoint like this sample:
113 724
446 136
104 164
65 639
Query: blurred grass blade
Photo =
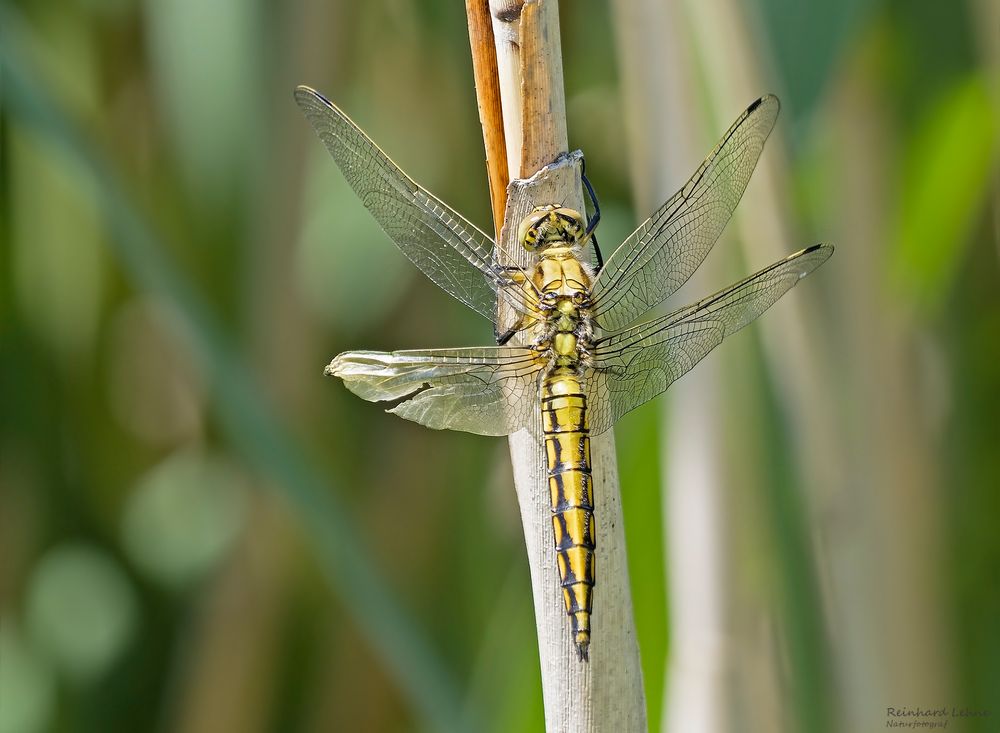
808 41
948 173
246 420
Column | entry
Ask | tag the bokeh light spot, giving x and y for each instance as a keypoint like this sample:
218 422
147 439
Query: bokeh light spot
182 516
81 609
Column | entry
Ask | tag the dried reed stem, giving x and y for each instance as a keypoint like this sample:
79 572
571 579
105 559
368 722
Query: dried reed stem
606 693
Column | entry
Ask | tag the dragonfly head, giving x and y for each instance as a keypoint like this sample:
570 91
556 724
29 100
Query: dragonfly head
548 225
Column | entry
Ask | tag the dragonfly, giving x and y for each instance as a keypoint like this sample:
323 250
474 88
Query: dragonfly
582 361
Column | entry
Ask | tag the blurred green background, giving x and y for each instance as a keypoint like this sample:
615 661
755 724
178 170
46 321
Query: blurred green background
200 533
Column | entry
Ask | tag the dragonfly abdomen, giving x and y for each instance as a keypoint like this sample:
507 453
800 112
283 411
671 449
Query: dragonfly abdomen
567 449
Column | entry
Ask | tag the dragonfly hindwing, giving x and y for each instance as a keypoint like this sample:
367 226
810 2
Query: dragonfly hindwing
487 391
633 366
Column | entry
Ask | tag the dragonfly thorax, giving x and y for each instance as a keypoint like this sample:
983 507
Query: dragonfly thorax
560 277
564 285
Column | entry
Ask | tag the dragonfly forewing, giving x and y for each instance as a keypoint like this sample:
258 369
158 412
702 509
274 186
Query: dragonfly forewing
455 254
659 256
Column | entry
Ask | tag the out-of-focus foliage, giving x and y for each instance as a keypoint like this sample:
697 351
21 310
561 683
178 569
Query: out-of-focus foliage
937 210
200 533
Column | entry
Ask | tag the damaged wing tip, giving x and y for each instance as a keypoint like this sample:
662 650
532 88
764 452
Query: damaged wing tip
340 365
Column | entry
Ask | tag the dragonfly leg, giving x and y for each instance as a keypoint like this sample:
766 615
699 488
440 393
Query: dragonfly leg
524 322
593 221
503 338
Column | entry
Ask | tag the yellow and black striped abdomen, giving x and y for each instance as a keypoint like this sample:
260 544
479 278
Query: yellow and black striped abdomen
567 450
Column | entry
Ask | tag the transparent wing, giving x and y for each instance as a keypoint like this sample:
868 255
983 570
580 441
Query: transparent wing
633 366
451 251
487 391
659 256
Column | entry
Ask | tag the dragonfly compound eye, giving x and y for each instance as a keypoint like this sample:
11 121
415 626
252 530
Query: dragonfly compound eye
549 225
530 234
570 224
